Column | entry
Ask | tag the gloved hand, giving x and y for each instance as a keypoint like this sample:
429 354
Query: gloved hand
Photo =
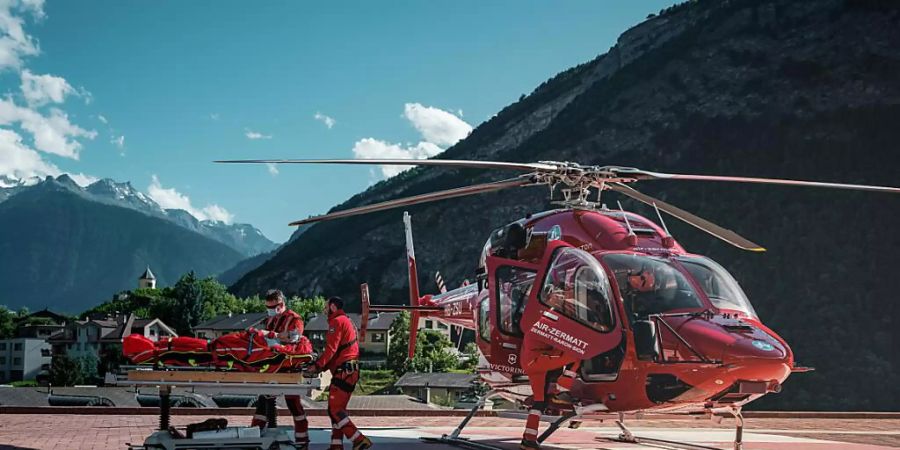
311 371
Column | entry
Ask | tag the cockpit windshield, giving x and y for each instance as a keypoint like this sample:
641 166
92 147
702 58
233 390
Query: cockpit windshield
721 288
651 285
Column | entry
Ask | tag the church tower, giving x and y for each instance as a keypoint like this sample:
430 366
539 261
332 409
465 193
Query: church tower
147 280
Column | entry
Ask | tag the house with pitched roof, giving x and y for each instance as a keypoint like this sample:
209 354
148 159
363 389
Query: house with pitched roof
101 333
377 341
229 323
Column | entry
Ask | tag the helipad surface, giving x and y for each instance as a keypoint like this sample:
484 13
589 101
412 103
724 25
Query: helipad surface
59 431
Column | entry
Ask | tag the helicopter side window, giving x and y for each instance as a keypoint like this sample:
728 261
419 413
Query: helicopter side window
513 288
721 288
577 287
651 285
484 320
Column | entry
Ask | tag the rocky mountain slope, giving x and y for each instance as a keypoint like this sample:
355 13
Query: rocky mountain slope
63 250
792 89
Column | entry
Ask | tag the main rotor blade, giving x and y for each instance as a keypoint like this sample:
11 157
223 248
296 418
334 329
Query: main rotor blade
527 167
423 198
722 233
647 175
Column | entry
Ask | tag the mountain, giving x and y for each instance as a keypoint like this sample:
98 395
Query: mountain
64 250
244 238
244 266
776 88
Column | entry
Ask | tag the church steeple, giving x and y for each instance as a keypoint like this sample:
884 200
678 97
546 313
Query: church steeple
147 280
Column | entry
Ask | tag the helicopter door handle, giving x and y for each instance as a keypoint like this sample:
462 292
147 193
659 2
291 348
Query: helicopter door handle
509 345
551 316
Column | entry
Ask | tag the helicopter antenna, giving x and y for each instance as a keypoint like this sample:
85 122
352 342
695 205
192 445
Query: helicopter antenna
625 216
663 222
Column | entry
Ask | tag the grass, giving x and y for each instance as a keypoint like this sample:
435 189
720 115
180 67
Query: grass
371 382
26 383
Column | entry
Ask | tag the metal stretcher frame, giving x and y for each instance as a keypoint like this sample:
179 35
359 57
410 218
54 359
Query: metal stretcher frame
166 378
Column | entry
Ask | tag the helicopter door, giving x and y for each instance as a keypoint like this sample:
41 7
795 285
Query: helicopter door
573 309
510 283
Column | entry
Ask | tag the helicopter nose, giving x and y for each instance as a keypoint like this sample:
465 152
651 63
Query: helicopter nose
758 358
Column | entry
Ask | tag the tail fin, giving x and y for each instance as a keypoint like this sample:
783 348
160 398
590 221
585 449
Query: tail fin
364 317
413 284
439 280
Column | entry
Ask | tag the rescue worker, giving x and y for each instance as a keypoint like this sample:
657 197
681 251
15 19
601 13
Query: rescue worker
549 371
341 357
283 327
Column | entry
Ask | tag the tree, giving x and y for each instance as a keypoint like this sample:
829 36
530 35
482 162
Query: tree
470 357
399 332
7 323
65 371
433 349
306 307
89 368
188 301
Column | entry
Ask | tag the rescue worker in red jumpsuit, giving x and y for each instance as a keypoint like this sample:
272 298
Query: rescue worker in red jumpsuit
341 357
284 327
550 371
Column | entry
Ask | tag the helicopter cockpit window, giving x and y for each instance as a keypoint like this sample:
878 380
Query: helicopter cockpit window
721 288
651 285
484 320
577 287
513 288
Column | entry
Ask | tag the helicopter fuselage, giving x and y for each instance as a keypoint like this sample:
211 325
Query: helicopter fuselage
687 339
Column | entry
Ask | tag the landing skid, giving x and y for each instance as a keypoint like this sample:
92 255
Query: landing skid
628 437
453 438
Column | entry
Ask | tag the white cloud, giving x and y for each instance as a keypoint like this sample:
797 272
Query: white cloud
102 119
440 129
169 198
42 89
436 125
119 141
328 121
15 44
52 134
273 169
369 148
19 162
254 135
214 116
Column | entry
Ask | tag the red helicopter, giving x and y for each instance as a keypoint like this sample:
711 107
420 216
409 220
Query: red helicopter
658 329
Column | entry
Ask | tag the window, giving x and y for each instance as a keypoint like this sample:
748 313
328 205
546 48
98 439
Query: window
17 347
513 288
2 360
153 332
17 361
651 285
45 352
2 346
378 337
721 288
484 320
577 287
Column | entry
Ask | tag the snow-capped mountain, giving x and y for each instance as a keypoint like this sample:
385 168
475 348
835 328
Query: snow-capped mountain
244 238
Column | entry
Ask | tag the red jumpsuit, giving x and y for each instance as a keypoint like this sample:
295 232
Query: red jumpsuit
290 322
340 356
543 364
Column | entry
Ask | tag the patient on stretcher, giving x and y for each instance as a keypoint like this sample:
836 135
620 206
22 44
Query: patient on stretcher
244 351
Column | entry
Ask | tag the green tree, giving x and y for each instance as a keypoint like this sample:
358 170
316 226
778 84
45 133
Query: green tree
89 368
433 349
65 371
434 352
470 357
306 307
7 323
188 301
397 353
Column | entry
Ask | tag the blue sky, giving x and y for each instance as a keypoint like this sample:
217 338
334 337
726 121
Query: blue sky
151 92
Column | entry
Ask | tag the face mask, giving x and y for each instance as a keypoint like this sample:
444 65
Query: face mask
272 312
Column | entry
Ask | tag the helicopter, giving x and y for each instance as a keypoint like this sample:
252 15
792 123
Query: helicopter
657 329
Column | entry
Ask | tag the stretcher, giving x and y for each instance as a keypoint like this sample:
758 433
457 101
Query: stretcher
226 381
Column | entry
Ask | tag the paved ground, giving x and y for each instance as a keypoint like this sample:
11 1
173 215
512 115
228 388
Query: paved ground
114 432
